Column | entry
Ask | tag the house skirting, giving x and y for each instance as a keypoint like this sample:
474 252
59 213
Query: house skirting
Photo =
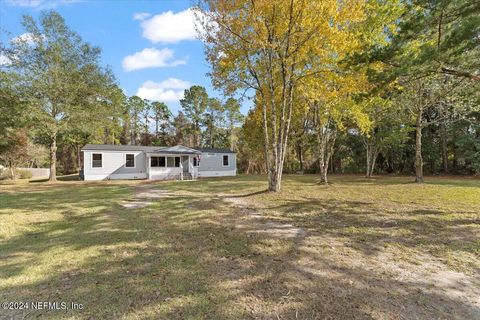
225 173
166 176
122 176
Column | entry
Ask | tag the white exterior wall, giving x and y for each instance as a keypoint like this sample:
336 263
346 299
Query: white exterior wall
211 165
113 166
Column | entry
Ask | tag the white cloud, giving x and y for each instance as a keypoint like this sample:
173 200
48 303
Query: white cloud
25 3
171 89
141 16
169 27
24 37
151 58
4 60
42 4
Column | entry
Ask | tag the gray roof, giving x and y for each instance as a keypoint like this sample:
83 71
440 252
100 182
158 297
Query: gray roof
215 150
153 149
176 150
118 147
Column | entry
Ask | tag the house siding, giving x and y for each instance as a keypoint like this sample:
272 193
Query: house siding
113 166
211 165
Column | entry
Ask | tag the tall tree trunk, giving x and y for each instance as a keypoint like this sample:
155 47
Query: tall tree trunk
324 162
195 134
12 171
230 136
444 147
300 157
323 174
326 141
372 154
266 146
211 137
53 157
374 161
274 182
368 148
418 147
326 135
79 158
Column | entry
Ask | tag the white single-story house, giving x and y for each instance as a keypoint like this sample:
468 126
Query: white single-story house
105 162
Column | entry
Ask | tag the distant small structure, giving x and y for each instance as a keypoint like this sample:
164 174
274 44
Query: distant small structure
37 172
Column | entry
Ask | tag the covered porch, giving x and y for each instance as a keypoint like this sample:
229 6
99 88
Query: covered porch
175 163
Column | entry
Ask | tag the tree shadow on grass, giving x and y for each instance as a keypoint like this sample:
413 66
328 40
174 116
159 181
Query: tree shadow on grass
300 281
62 199
249 194
133 263
368 228
384 180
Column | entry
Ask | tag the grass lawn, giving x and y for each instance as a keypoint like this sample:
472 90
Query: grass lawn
381 248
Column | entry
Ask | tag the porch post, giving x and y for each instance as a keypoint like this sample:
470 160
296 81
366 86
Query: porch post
191 167
181 168
147 165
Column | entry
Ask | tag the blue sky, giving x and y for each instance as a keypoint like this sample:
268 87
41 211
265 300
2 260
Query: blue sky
149 45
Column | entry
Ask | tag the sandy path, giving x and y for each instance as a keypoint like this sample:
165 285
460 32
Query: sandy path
145 195
256 223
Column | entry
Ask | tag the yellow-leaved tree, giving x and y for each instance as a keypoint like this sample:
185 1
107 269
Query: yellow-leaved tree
285 52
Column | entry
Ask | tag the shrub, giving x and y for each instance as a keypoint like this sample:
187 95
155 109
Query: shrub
24 174
5 174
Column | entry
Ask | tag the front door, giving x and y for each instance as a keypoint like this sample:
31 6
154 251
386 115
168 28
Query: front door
185 160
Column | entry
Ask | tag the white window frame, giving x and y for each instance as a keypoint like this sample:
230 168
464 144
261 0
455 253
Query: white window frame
166 161
150 162
179 161
134 161
228 160
91 160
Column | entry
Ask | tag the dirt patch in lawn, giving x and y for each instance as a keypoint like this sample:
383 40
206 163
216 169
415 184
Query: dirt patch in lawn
256 223
144 195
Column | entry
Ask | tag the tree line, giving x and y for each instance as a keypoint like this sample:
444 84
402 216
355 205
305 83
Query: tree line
366 86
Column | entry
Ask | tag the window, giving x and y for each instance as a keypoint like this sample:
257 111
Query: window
161 161
96 160
130 160
154 162
225 160
157 162
196 161
177 161
170 162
